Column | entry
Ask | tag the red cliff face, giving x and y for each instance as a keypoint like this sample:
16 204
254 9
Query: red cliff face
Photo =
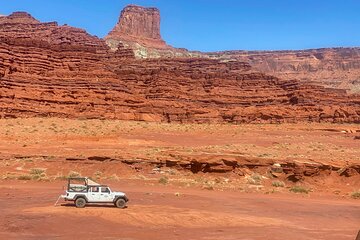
138 29
51 70
138 25
330 67
18 17
139 22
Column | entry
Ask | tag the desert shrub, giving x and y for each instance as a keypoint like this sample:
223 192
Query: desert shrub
73 174
37 171
24 177
255 179
355 195
38 174
164 180
299 189
278 184
9 176
208 186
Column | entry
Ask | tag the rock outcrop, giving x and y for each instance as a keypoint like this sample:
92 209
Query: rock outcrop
329 67
139 29
139 24
51 70
18 17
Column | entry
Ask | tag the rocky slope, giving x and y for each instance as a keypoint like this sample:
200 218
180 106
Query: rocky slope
330 67
139 29
51 70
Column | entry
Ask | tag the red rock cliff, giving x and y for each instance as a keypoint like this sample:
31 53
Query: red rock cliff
51 70
330 67
138 25
139 22
18 17
138 30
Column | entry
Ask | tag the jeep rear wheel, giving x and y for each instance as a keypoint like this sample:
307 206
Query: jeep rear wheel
80 202
120 203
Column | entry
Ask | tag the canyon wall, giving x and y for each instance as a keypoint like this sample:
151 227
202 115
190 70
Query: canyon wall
139 29
50 70
329 67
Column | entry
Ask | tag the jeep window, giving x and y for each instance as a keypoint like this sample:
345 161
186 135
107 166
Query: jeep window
76 188
105 190
94 189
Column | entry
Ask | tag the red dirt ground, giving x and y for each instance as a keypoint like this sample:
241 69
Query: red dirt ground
156 212
222 206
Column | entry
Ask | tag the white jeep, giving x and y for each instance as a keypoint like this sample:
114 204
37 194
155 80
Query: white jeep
83 190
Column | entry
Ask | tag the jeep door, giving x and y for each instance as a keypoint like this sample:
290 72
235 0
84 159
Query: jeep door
105 195
94 194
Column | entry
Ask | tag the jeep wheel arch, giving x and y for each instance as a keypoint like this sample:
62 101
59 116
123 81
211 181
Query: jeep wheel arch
121 197
80 196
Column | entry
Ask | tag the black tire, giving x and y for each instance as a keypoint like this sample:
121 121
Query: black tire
80 202
120 203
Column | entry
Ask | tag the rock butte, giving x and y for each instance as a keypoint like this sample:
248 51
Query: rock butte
329 67
138 28
139 24
50 70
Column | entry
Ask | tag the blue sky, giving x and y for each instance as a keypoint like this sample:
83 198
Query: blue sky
214 25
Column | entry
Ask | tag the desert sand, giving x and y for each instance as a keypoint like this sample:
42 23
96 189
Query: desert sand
174 202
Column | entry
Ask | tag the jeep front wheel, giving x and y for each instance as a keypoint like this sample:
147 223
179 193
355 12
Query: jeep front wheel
120 203
80 202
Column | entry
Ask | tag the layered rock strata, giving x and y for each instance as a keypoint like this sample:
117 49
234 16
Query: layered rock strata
50 70
329 67
139 29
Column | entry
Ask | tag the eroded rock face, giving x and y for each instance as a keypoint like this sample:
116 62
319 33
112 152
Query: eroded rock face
30 49
18 17
138 28
139 22
51 70
329 67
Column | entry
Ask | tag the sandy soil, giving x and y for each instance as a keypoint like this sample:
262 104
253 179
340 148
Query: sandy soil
156 212
63 146
36 155
56 138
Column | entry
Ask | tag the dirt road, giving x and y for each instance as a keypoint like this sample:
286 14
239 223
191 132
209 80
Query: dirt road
157 212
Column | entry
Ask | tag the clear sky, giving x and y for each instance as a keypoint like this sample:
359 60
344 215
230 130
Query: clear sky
212 25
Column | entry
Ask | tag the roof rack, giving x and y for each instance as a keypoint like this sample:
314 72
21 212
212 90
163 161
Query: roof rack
80 184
